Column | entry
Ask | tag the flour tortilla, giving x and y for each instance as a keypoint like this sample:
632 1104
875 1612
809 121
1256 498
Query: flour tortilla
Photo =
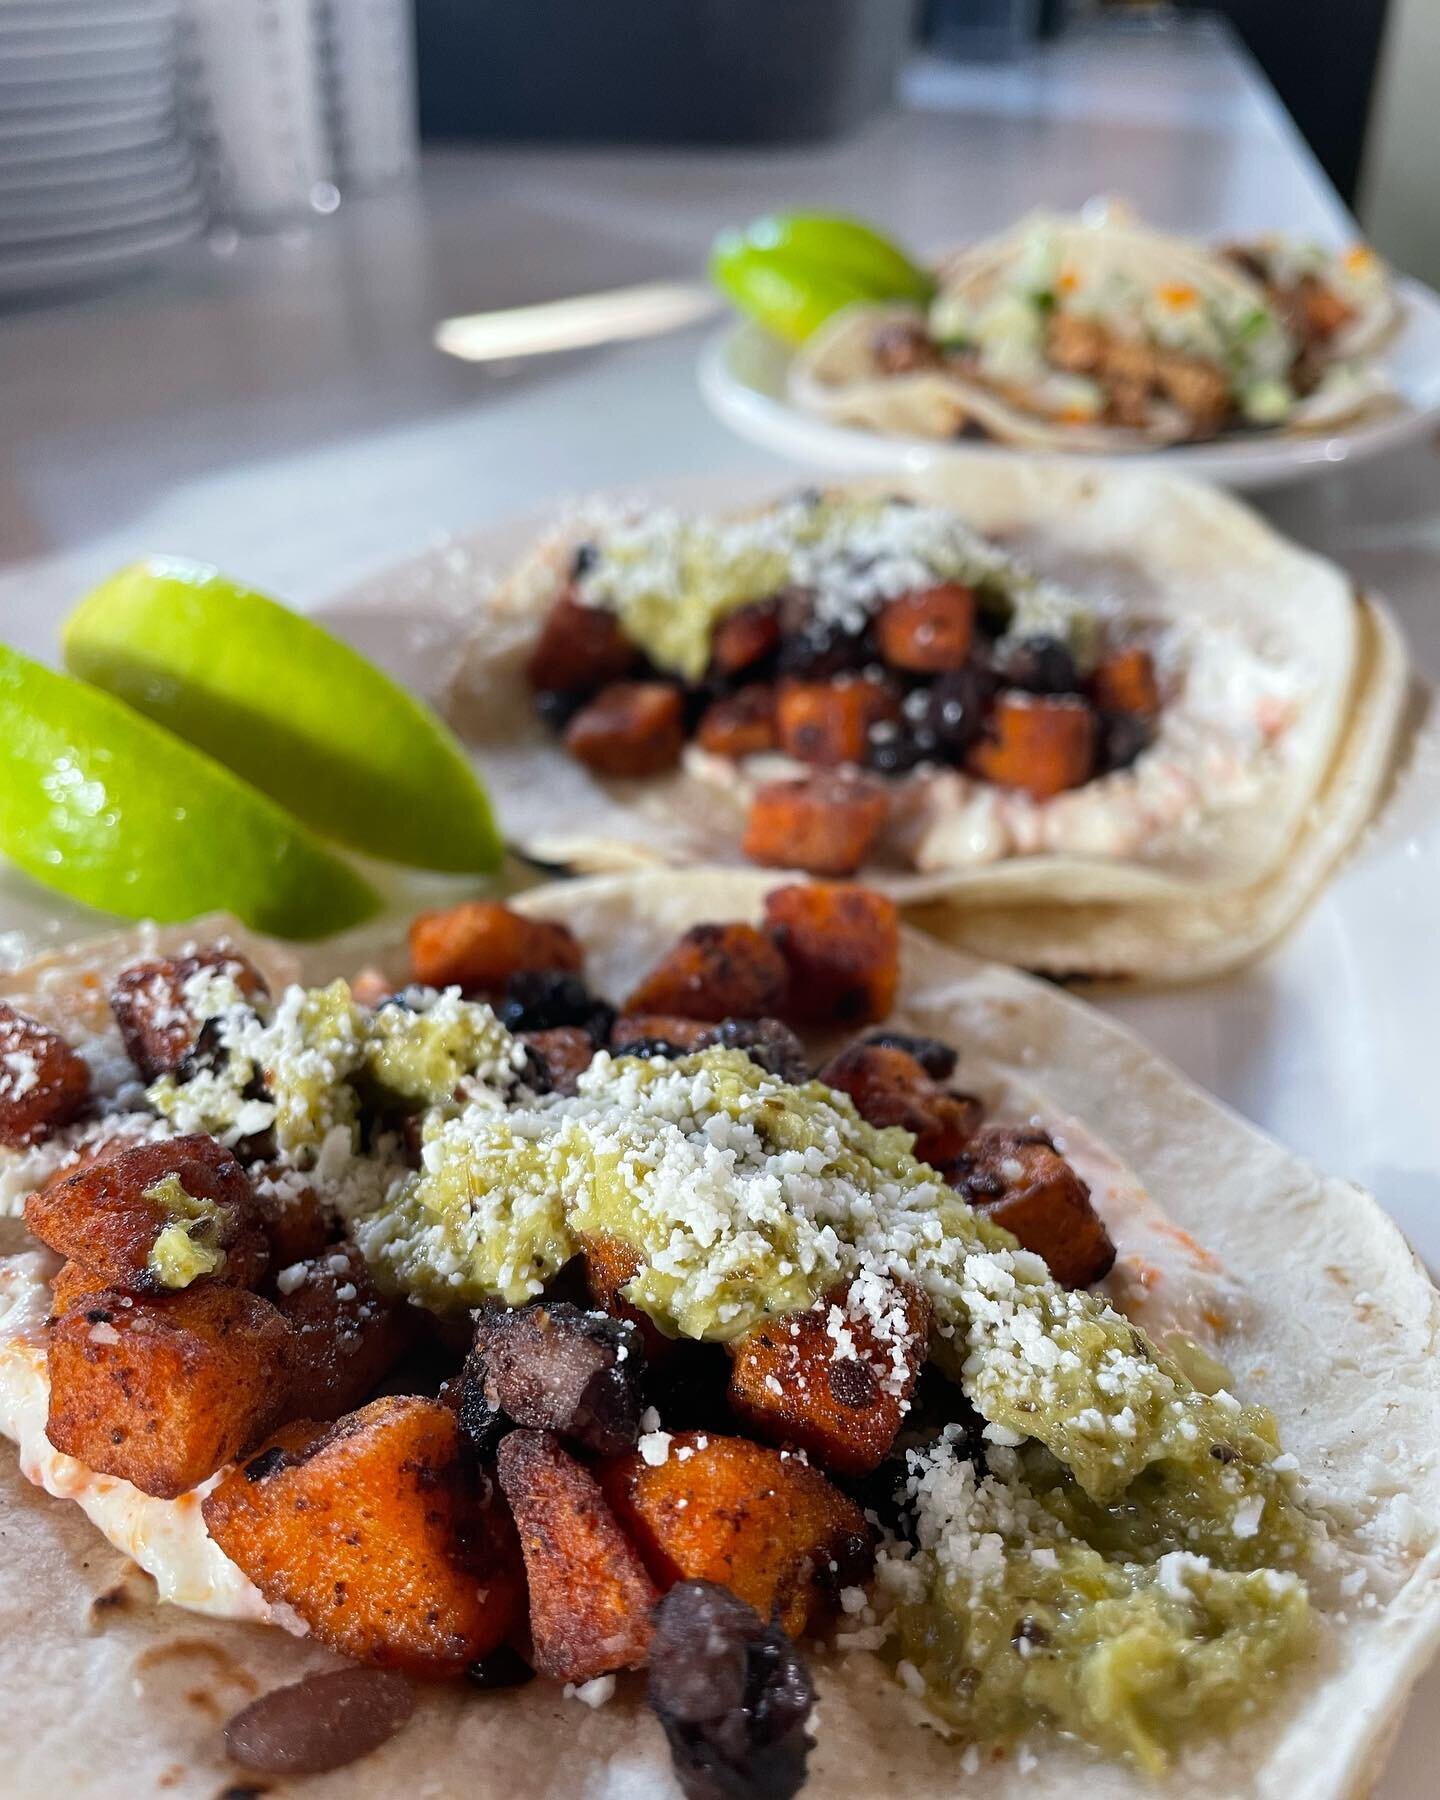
1340 1340
836 374
1166 548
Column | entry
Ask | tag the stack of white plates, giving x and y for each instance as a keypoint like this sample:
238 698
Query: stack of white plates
95 177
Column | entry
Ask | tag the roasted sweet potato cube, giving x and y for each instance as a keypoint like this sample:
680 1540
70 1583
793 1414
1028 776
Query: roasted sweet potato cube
715 972
590 1597
1318 309
842 945
1124 682
889 1087
610 1264
372 1530
162 1392
826 824
738 725
580 648
73 1283
566 1052
789 1385
479 944
758 1521
633 1033
156 1015
929 631
745 637
296 1222
348 1336
632 728
156 1216
43 1082
828 722
1019 1180
1042 743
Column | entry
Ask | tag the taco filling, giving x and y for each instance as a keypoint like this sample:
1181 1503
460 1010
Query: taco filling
873 680
1113 333
485 1326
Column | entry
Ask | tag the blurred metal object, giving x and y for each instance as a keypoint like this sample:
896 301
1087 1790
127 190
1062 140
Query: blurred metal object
369 54
256 108
95 177
614 317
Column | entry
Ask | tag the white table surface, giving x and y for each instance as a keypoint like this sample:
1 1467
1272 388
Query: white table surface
279 410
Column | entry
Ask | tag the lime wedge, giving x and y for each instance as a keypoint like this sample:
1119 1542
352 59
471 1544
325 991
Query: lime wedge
785 294
118 814
847 248
278 699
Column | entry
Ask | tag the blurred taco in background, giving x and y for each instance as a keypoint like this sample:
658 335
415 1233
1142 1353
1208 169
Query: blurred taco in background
1107 336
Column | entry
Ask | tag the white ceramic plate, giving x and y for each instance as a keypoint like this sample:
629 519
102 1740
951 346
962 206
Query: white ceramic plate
103 258
742 374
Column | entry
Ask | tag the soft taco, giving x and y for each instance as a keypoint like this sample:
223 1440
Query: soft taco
1097 1449
1013 691
1100 335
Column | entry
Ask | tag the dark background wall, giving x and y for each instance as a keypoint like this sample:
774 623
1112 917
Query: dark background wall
1321 57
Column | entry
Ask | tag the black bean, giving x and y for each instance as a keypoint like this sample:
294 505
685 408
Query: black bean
482 1423
541 999
955 709
936 1059
502 1668
557 1368
1122 737
584 560
733 1695
1040 665
323 1722
819 648
769 1043
557 708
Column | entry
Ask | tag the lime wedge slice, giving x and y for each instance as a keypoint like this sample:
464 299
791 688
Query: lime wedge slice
785 294
278 699
118 814
847 248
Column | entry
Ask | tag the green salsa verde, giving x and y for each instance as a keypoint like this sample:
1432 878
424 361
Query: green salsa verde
1128 1569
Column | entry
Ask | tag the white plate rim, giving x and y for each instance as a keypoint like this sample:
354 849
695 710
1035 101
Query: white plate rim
764 419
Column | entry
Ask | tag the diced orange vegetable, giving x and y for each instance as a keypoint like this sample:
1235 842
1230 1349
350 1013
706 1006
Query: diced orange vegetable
110 1214
580 648
633 728
72 1284
1321 310
610 1264
828 722
665 1028
826 824
758 1521
150 1007
566 1052
162 1392
1124 682
1019 1180
715 972
1042 743
927 632
787 1385
889 1087
295 1220
590 1597
843 947
745 637
740 724
348 1336
373 1532
479 944
43 1082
